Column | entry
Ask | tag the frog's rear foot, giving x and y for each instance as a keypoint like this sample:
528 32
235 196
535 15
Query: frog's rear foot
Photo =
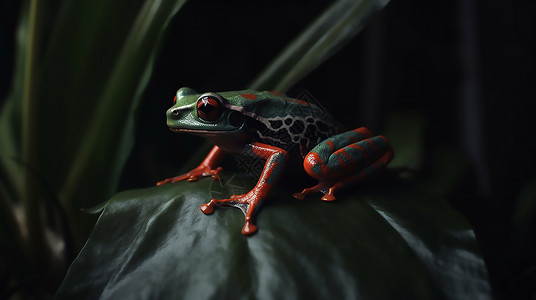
328 188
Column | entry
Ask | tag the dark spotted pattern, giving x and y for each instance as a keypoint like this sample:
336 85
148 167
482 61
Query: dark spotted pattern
276 124
297 127
289 132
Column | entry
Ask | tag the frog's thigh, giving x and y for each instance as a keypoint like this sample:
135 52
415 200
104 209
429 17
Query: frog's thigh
332 158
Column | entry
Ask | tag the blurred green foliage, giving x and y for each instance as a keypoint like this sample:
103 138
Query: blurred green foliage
67 125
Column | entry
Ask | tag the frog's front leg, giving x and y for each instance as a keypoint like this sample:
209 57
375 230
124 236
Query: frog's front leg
275 161
344 159
207 168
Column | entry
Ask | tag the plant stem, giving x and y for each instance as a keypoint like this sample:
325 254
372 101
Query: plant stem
36 244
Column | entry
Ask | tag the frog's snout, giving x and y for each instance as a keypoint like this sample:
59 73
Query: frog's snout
173 113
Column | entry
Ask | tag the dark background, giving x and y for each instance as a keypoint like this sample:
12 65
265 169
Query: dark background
466 66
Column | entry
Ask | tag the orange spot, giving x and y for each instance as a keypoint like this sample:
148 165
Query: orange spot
275 93
363 130
343 153
297 101
175 99
372 145
383 138
361 149
249 96
346 155
341 161
330 144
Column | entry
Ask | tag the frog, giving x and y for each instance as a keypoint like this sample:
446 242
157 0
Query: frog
276 129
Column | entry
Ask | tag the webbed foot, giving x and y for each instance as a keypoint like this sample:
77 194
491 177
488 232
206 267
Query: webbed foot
327 187
194 175
246 202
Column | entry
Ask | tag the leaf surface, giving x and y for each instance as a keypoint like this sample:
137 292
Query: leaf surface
382 241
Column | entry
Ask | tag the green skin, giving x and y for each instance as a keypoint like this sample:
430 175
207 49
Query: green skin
275 128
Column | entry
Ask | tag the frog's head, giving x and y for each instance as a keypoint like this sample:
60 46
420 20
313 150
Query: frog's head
205 114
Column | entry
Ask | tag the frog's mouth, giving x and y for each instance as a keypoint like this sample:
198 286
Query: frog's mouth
215 135
205 132
228 140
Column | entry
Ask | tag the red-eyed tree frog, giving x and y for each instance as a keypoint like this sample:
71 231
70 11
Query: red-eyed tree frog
277 129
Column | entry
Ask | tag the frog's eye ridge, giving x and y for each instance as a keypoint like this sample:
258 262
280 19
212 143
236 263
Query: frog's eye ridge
209 108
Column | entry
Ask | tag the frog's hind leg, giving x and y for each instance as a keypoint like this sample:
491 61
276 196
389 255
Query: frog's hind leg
362 175
344 159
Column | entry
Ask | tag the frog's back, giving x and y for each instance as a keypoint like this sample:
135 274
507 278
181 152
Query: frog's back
288 123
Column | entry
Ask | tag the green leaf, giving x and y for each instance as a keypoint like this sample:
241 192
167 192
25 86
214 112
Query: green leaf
109 137
321 39
387 240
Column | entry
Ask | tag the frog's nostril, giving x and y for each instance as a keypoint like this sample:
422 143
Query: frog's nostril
174 113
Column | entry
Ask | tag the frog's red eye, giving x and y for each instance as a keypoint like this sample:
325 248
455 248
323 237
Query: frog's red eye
209 108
